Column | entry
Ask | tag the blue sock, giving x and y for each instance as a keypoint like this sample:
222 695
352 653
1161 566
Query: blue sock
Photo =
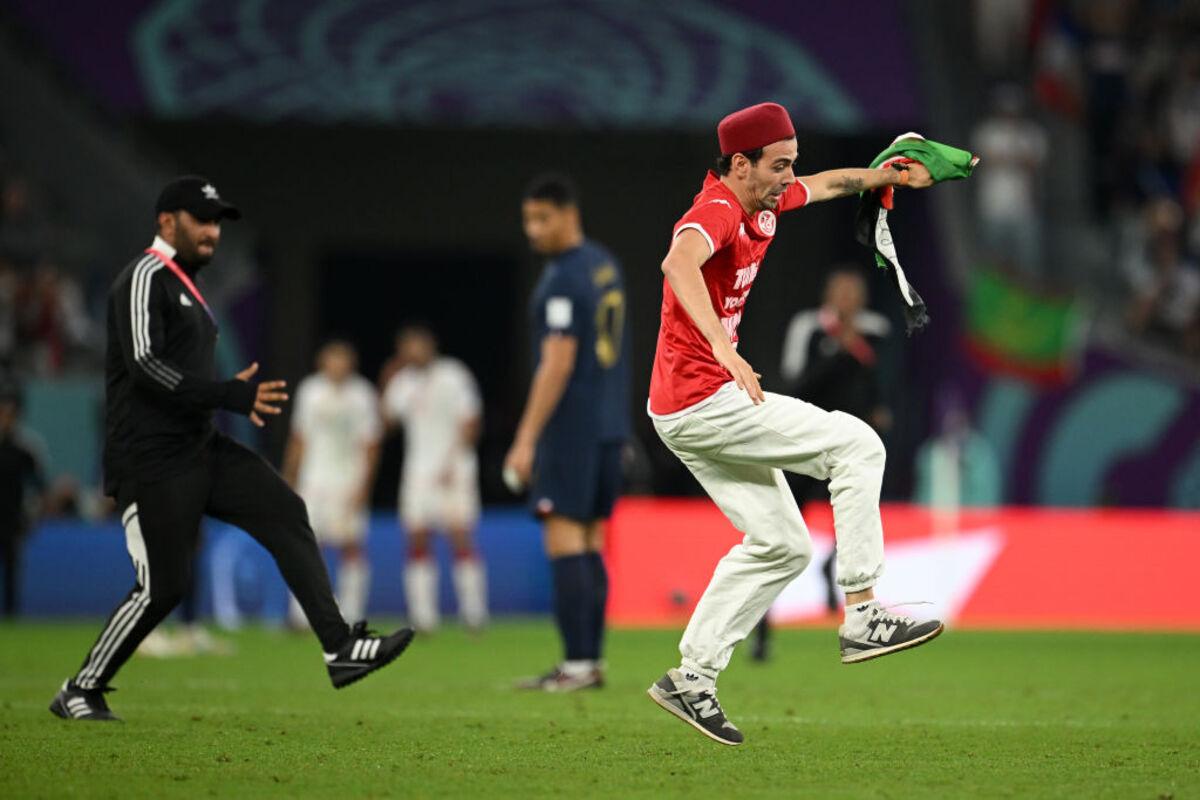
599 601
574 603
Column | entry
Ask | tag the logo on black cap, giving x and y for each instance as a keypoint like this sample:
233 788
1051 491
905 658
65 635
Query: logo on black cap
198 197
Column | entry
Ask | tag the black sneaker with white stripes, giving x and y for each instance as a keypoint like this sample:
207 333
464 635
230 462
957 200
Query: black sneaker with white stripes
694 705
883 632
71 702
363 653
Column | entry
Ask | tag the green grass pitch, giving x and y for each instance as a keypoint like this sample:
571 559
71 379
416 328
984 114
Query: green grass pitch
973 714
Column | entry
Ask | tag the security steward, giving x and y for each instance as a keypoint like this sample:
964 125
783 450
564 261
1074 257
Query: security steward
167 465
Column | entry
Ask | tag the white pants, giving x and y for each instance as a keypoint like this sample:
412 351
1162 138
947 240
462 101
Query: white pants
737 451
336 520
428 501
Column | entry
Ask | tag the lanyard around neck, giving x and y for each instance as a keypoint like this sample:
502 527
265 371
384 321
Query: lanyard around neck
183 277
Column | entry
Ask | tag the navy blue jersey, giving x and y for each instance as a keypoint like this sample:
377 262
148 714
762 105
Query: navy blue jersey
582 294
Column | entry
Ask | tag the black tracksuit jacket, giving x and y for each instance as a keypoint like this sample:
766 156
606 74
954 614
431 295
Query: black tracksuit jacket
160 393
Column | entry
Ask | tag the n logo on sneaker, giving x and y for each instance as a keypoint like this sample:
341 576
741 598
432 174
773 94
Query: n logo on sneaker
706 708
882 633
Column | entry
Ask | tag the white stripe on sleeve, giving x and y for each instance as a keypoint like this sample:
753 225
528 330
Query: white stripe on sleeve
139 313
696 227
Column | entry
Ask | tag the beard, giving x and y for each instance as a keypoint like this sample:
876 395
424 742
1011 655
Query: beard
190 254
769 202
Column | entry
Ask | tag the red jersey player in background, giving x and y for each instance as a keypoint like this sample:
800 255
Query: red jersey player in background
736 439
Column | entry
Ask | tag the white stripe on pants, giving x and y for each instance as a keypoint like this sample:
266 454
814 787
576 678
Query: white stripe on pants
125 618
738 452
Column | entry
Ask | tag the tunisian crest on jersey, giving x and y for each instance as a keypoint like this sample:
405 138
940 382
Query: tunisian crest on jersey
766 222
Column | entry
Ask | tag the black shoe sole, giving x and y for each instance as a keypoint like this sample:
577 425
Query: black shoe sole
675 712
867 655
56 708
59 710
343 680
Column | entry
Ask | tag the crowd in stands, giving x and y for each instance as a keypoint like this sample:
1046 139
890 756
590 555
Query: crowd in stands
45 326
46 332
1126 75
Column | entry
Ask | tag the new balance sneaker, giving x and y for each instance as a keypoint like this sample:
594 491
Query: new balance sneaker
695 705
562 680
363 653
880 632
71 702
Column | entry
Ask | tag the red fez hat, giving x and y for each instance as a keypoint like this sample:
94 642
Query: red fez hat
754 127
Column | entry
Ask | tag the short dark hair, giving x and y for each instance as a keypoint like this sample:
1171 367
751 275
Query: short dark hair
725 163
553 187
845 270
416 327
338 341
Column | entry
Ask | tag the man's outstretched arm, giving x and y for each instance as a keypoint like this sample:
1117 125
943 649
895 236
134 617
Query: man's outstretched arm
842 182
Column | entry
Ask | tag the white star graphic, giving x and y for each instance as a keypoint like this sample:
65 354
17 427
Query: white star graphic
210 191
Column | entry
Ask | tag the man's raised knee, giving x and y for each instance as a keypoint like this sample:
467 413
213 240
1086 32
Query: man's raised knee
864 444
291 507
163 602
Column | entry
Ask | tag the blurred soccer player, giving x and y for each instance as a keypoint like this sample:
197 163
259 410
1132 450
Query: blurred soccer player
168 466
830 360
330 460
21 476
436 399
575 422
709 409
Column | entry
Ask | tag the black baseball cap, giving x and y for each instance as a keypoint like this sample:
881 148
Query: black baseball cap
197 196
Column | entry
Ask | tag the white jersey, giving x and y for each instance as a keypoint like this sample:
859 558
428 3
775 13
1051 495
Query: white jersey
338 422
433 402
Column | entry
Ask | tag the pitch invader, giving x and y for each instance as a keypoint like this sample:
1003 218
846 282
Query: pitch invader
437 400
708 408
330 460
575 422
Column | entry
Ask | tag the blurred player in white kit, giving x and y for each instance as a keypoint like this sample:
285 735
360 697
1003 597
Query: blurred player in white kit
330 460
436 399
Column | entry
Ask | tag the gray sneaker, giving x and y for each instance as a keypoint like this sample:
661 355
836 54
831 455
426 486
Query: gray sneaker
559 680
697 707
885 633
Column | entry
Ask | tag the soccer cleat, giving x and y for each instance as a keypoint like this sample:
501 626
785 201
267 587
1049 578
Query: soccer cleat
363 653
696 706
885 633
71 702
559 680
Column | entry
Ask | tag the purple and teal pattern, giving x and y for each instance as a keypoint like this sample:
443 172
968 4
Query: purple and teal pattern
511 63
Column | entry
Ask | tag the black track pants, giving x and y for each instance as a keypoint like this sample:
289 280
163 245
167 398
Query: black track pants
162 524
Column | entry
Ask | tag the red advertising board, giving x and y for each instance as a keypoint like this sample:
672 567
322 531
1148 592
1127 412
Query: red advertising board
1012 567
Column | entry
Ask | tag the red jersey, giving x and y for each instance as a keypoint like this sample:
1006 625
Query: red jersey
685 371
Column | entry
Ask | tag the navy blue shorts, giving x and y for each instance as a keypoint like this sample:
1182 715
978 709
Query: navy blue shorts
580 483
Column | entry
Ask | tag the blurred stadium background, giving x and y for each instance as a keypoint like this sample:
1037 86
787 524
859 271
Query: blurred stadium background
1044 431
378 150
